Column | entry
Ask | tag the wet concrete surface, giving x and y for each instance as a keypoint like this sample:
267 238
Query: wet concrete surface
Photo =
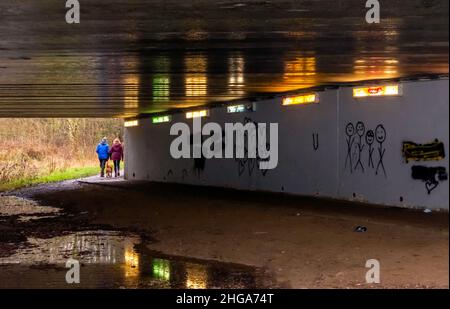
229 238
34 252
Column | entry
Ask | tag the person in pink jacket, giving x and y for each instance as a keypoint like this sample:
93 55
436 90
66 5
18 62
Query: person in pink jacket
116 154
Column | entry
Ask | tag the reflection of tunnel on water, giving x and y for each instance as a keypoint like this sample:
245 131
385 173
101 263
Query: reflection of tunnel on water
186 79
133 265
142 56
176 272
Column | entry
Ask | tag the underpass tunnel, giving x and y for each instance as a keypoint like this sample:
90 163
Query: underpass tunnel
267 144
363 142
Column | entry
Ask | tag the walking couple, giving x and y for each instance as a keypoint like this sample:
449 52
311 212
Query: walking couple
106 153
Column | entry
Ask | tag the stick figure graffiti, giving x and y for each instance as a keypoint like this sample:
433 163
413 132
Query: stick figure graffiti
380 136
370 138
360 130
350 132
358 137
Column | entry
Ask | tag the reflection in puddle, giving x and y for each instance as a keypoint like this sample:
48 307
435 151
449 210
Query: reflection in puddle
110 254
108 258
161 269
131 262
196 276
100 247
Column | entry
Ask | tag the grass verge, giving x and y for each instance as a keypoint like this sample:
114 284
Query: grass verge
61 175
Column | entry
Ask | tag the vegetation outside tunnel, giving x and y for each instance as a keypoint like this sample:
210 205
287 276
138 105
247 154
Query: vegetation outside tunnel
42 150
61 175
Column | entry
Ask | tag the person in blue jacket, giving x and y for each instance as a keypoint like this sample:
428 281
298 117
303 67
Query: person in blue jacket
103 155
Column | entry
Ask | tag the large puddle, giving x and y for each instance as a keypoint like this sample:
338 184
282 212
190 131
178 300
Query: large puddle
108 259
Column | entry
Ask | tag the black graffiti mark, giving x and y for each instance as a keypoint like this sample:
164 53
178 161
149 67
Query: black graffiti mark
247 163
360 130
349 131
430 175
184 174
199 163
431 185
370 138
434 151
250 163
380 136
248 120
170 173
264 172
241 166
315 141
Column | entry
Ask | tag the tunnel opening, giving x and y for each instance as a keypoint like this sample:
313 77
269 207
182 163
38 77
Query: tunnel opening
39 150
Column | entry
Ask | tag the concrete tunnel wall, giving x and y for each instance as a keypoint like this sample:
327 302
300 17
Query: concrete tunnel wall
311 168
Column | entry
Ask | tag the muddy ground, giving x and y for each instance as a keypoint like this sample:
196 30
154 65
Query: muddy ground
149 235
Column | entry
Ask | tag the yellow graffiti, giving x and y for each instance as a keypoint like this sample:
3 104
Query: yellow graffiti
423 152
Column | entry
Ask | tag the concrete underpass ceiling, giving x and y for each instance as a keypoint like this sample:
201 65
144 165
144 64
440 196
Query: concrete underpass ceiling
130 57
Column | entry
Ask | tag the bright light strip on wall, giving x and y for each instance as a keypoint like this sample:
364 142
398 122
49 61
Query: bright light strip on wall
377 91
131 123
301 99
161 119
197 114
240 108
236 109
